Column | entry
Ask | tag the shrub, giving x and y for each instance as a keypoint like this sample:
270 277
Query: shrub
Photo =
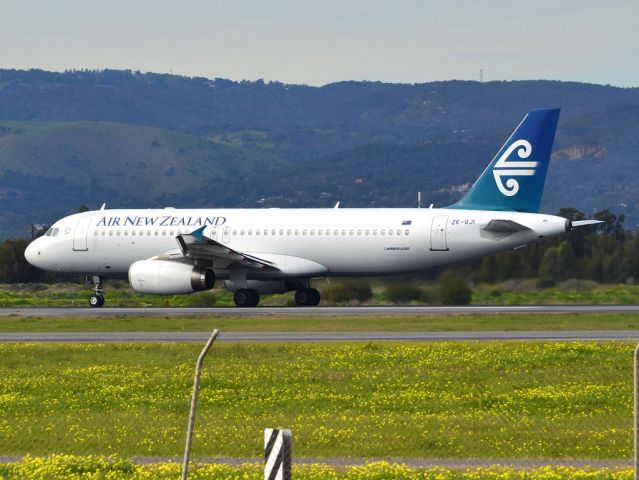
352 292
453 289
201 299
402 293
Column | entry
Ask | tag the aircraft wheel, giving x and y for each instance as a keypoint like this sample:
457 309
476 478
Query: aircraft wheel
315 297
307 297
301 298
246 297
96 301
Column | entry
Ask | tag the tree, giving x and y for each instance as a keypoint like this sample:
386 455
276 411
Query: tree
14 268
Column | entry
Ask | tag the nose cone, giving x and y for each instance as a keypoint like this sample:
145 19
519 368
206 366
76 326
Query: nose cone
33 254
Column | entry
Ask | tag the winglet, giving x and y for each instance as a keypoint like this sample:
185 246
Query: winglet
198 234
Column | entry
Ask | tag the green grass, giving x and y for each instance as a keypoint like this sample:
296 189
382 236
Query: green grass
342 323
516 292
518 400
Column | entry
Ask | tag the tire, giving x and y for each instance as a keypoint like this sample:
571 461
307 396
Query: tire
315 297
96 301
302 298
246 298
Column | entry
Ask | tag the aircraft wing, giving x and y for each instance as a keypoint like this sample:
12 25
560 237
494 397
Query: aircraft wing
196 245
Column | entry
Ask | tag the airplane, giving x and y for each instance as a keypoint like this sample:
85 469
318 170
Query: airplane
268 251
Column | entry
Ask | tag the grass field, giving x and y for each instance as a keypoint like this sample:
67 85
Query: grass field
517 400
515 292
446 323
79 468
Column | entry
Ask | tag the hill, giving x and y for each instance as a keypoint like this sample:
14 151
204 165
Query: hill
85 137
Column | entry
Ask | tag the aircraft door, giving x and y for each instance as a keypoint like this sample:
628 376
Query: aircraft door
81 233
226 234
438 233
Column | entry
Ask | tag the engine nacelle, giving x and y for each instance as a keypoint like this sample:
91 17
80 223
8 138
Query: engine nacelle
164 277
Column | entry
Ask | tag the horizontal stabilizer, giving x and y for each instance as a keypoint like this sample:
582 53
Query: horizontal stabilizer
583 223
504 226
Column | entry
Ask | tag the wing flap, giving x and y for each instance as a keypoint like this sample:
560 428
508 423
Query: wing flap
196 245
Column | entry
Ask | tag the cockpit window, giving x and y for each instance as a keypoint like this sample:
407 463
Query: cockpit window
55 232
49 232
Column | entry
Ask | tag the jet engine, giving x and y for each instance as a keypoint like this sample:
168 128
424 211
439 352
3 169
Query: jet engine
169 277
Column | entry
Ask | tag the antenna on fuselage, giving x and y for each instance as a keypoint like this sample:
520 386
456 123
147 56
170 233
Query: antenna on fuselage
103 207
419 199
336 205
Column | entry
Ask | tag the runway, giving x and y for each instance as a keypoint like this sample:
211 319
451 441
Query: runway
319 311
287 337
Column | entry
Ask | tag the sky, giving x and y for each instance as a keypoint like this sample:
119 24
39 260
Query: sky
319 42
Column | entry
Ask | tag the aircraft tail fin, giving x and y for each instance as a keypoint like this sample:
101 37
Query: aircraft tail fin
514 180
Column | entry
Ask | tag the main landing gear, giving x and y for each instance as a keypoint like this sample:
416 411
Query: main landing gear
307 297
246 297
97 299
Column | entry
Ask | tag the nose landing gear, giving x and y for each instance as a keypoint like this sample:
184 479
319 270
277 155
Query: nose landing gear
97 299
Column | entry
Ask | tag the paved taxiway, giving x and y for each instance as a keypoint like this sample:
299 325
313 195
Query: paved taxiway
201 337
318 311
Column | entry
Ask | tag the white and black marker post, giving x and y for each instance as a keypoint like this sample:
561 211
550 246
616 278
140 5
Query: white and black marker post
196 387
278 453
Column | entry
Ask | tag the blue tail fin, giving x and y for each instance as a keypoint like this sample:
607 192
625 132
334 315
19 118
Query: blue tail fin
515 178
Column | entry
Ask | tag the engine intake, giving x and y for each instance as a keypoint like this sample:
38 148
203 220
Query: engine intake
163 277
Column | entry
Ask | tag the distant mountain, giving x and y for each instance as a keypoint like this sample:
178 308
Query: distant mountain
150 140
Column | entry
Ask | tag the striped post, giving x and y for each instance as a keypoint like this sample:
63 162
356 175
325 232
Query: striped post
278 454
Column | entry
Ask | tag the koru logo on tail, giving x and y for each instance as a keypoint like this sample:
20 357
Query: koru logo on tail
512 168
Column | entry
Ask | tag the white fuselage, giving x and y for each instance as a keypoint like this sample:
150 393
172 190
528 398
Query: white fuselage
303 242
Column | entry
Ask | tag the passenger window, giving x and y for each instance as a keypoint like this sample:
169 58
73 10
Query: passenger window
288 232
336 232
126 233
304 232
234 233
399 232
95 234
359 233
103 233
406 232
250 232
312 232
367 232
242 233
375 232
133 233
328 232
383 232
141 233
157 232
352 232
110 233
390 232
319 233
273 232
265 232
297 232
164 233
257 232
281 233
117 232
344 233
